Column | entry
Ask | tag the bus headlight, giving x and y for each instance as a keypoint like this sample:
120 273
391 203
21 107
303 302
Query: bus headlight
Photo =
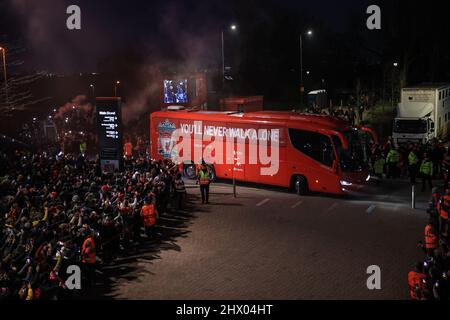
345 183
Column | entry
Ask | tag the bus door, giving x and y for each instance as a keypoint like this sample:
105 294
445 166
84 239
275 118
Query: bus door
365 144
367 137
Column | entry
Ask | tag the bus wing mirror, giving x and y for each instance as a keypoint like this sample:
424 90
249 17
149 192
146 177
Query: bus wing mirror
335 166
343 140
371 132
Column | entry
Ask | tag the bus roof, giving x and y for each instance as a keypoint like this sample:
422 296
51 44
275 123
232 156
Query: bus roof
290 118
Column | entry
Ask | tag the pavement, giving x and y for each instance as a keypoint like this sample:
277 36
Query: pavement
270 244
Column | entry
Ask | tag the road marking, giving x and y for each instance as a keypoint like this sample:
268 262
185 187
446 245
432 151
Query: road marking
263 202
371 209
297 204
333 206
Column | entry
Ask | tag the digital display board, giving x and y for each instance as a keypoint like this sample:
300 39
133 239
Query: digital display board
109 128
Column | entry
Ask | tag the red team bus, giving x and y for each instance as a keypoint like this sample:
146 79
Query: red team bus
303 152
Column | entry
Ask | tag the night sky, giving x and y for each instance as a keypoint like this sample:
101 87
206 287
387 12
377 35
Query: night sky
160 28
140 42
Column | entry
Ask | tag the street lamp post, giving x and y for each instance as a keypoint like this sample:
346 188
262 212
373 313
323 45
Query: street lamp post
93 90
3 50
395 65
115 88
223 60
302 88
233 27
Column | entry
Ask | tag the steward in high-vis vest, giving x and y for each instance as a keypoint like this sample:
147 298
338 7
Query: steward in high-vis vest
413 161
83 148
88 257
426 171
204 179
416 283
431 239
149 214
392 160
443 209
198 167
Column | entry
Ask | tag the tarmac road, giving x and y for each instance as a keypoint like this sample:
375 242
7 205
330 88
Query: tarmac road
271 244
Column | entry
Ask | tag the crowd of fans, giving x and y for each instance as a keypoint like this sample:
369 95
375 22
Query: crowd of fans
430 279
351 115
423 161
63 211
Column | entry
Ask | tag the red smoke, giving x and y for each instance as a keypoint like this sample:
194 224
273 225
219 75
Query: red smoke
79 106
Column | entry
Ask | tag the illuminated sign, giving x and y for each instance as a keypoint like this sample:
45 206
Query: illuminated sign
109 128
109 124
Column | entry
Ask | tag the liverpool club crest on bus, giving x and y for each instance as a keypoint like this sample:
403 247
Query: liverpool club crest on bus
165 143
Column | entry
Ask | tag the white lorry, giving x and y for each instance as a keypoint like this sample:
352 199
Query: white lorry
422 114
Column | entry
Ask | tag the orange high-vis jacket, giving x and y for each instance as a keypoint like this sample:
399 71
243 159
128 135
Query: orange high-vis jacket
88 253
443 207
416 285
431 240
148 212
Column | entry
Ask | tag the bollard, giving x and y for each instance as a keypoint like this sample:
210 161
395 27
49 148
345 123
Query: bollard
413 196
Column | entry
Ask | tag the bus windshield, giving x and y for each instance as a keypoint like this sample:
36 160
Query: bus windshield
353 158
410 126
314 145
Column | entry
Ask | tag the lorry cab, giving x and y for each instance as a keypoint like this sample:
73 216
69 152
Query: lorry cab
413 130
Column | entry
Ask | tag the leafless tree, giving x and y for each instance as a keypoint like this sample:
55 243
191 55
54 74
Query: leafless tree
16 93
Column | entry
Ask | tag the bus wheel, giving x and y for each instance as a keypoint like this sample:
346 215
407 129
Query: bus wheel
190 171
300 185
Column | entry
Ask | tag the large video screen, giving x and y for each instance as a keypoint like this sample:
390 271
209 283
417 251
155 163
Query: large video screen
175 91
